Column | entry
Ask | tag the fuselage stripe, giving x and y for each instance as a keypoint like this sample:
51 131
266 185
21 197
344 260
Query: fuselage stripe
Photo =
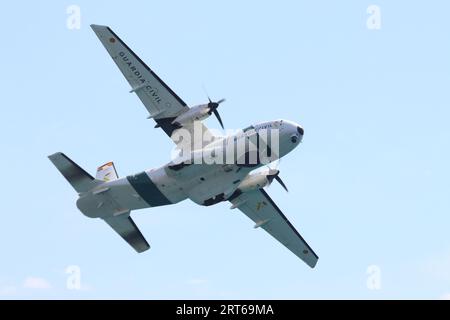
147 190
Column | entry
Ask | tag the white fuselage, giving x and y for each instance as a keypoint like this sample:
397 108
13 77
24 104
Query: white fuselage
205 184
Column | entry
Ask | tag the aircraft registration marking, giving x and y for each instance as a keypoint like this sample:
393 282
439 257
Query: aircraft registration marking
260 205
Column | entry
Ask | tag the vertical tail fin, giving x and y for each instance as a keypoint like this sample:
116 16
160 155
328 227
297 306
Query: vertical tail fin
80 180
107 172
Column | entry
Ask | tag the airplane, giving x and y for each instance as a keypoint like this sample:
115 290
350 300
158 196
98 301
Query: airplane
240 181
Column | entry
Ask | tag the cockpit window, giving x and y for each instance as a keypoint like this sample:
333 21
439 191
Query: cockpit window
248 128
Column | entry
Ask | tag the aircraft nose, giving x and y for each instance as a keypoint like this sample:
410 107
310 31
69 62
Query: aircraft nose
298 135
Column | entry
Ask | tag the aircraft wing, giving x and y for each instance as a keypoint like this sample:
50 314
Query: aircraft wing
127 229
162 103
259 207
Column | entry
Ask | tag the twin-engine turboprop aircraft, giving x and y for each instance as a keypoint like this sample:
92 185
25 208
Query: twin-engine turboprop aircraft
206 170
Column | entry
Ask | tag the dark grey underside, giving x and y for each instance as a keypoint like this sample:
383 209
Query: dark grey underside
147 190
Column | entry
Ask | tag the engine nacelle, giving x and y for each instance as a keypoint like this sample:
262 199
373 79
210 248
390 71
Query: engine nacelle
196 113
254 182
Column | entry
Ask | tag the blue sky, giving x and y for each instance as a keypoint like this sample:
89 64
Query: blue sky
369 186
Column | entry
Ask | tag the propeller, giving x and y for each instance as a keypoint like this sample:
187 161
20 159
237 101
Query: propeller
275 174
213 109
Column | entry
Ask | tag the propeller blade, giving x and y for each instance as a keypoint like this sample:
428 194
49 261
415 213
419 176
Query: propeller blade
212 107
216 113
277 177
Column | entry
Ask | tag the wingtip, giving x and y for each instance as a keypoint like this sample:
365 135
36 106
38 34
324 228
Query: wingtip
143 249
54 155
314 264
96 27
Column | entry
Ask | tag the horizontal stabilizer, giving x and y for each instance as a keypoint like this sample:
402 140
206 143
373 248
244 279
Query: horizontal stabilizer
80 180
128 230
